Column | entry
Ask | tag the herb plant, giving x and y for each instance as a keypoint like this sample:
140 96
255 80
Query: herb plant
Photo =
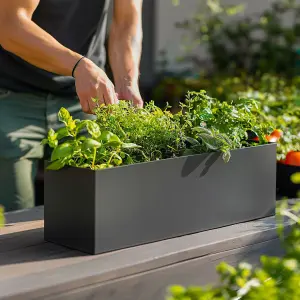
123 134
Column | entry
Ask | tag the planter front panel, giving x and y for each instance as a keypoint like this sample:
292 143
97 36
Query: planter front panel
154 201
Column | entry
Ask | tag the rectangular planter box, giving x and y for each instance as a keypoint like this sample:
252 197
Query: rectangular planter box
106 210
285 187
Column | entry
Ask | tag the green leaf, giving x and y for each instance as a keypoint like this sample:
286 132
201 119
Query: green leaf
210 141
192 141
117 161
110 138
93 129
226 156
52 138
52 135
62 132
64 116
90 144
44 142
187 152
84 166
56 165
130 146
71 125
62 151
81 125
202 130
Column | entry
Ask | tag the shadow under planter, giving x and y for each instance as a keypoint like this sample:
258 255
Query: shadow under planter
106 210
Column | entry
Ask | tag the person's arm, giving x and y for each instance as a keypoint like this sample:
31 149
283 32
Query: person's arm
125 46
22 37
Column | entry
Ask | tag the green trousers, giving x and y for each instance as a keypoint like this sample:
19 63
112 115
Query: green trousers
24 121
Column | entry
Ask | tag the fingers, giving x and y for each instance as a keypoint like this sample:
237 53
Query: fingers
137 100
84 105
109 95
105 95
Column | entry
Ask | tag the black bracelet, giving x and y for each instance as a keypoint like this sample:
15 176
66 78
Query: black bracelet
77 65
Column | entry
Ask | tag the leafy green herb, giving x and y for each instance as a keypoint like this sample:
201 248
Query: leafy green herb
123 134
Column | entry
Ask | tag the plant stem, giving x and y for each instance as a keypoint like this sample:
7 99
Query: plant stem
113 154
94 158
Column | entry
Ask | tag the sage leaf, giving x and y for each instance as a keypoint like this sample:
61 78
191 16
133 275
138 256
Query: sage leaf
211 142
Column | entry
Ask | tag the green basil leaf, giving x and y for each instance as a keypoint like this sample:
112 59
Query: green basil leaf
64 116
71 124
81 124
93 129
62 151
52 135
110 138
44 142
90 144
53 144
56 165
62 132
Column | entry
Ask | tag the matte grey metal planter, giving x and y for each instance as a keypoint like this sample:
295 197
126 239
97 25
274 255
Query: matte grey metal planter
106 210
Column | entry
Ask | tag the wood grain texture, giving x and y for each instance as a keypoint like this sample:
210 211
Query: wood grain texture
33 269
152 285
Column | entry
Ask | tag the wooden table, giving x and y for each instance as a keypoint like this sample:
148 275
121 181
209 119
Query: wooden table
31 268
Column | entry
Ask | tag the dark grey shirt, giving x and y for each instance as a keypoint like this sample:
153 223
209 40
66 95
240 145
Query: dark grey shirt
79 25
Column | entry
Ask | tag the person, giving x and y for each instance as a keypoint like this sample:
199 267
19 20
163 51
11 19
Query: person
52 55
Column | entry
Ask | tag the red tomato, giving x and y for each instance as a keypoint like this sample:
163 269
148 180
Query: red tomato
281 161
271 138
277 133
293 158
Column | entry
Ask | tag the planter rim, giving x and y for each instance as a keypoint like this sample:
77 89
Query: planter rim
160 160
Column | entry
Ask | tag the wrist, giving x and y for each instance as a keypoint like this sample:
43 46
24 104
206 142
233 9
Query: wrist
126 81
83 65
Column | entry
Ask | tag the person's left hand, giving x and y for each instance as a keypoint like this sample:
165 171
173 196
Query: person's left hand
131 93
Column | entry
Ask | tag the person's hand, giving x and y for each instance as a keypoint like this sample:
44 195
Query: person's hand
92 82
130 92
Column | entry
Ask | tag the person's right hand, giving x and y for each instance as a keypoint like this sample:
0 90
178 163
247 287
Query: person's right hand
92 82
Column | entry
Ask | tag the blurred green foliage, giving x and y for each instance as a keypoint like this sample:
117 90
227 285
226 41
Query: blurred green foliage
276 278
237 42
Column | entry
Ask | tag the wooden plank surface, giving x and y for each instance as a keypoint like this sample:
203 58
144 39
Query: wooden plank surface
31 268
